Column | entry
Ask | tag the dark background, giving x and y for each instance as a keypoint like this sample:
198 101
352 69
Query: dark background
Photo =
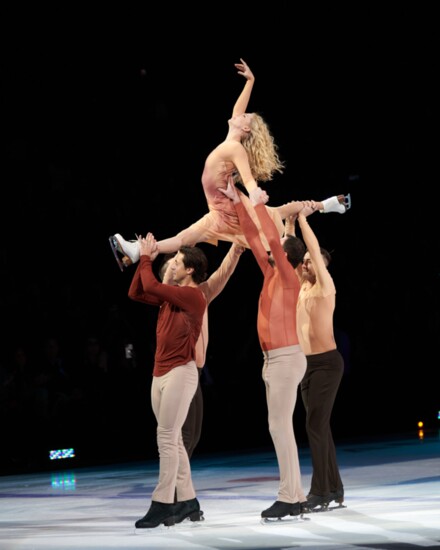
107 120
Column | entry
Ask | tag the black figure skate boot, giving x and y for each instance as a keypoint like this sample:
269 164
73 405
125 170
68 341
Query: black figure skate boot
188 509
158 513
280 509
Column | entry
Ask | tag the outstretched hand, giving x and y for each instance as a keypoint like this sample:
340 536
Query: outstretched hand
244 70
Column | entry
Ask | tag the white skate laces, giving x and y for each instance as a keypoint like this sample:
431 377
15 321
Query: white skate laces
339 204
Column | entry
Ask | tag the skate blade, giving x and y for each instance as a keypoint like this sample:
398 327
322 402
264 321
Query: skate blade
286 519
148 530
337 506
115 251
320 509
192 521
347 202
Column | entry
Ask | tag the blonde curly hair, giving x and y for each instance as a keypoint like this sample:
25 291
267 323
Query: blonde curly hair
262 150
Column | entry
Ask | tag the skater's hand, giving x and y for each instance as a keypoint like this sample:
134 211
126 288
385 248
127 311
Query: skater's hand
309 207
231 191
238 249
244 70
148 246
258 196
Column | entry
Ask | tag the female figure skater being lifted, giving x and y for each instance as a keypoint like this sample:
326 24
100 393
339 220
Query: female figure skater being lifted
248 155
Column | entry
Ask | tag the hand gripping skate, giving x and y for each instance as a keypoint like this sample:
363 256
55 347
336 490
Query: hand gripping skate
125 252
338 203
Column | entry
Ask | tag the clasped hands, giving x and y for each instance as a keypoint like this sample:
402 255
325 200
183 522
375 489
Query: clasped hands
148 246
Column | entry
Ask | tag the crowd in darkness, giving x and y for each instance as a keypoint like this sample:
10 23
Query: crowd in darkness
58 394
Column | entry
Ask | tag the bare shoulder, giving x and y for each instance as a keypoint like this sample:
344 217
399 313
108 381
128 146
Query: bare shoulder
233 151
230 146
225 151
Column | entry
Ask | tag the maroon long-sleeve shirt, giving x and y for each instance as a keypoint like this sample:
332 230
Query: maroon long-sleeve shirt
180 316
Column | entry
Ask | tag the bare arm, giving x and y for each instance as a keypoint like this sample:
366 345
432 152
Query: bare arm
239 157
233 148
290 221
243 99
289 225
233 151
217 281
322 275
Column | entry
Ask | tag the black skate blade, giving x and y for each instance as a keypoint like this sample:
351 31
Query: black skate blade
115 253
337 506
320 509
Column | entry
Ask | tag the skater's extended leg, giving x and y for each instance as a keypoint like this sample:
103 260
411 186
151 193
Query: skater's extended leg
337 203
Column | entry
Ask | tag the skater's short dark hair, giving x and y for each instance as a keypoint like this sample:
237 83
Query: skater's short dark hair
326 255
295 250
195 257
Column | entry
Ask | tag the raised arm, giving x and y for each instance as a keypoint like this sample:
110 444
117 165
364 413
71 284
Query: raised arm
217 281
182 297
243 99
323 277
250 230
258 200
137 292
289 225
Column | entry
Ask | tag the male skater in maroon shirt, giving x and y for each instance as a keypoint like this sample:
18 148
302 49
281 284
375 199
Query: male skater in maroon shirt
175 375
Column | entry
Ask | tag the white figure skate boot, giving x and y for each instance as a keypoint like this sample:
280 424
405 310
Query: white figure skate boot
338 203
129 250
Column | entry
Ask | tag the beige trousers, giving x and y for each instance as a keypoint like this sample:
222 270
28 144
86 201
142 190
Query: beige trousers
283 371
171 395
